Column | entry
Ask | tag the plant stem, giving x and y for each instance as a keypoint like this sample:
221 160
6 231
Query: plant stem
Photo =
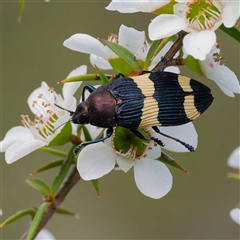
70 182
168 58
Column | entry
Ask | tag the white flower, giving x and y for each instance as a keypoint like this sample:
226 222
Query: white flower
129 38
235 215
152 177
44 234
101 55
126 6
22 140
234 158
200 19
220 74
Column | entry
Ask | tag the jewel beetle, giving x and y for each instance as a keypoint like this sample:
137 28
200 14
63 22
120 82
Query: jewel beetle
148 100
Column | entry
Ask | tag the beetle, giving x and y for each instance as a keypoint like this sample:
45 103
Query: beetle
149 100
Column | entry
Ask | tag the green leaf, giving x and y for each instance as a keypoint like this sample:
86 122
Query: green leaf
123 53
170 161
102 76
18 215
53 151
86 133
120 66
232 32
51 165
84 77
63 171
63 137
194 65
152 53
67 212
36 221
155 48
39 185
166 9
95 183
20 9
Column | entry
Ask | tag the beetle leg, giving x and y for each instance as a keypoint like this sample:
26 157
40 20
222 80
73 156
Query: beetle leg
144 72
119 75
140 135
186 145
108 135
163 64
88 87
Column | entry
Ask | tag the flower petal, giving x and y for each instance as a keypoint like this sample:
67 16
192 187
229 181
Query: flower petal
185 133
224 77
130 38
124 163
153 150
44 234
100 62
13 135
199 44
20 149
152 178
235 215
234 158
69 89
95 161
230 13
126 6
165 25
85 43
93 130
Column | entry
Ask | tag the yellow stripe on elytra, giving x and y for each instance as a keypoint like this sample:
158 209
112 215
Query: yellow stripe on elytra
145 84
184 82
189 108
149 113
150 108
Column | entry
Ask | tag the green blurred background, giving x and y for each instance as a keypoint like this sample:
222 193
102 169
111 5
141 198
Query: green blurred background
198 205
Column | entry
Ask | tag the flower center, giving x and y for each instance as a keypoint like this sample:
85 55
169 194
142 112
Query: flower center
202 14
43 124
127 144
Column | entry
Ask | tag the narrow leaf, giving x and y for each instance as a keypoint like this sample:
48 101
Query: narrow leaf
63 171
102 76
123 53
87 134
54 151
84 77
95 183
51 165
36 221
232 32
170 161
39 185
193 64
63 137
152 53
67 212
20 9
19 214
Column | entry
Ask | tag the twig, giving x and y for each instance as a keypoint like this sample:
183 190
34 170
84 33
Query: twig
70 182
168 58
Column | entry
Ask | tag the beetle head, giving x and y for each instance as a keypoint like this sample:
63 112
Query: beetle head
80 116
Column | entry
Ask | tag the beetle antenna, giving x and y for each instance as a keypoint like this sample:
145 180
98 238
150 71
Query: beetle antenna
62 124
63 108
